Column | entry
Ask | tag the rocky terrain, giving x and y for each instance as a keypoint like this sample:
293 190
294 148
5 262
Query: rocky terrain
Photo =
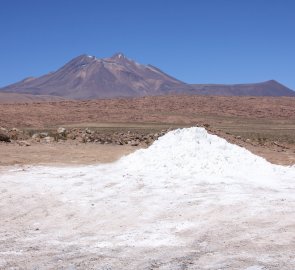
274 151
265 126
25 138
71 146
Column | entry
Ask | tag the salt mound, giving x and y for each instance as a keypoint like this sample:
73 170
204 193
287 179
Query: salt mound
194 152
191 197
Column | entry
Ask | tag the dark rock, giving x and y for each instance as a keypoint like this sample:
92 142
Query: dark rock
4 137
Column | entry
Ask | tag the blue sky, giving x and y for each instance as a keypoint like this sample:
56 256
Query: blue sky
208 41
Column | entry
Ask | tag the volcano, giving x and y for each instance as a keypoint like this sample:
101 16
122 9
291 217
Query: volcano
88 77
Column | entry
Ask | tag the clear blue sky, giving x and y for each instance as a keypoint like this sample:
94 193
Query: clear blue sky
197 41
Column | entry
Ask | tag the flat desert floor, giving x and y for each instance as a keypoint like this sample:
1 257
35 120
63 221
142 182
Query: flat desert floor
62 154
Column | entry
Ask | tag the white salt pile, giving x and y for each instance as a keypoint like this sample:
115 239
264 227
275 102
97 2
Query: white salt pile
193 153
190 201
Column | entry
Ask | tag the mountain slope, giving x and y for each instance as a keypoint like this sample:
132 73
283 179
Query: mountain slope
6 98
268 88
87 77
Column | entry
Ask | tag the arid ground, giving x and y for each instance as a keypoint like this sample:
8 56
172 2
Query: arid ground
264 125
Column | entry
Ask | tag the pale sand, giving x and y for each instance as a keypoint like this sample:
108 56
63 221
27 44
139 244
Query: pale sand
58 154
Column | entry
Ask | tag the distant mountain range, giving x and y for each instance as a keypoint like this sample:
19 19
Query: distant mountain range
268 88
87 77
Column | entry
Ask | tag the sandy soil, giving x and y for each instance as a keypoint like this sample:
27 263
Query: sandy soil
59 154
275 155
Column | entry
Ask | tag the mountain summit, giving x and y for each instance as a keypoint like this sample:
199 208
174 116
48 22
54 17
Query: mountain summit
87 77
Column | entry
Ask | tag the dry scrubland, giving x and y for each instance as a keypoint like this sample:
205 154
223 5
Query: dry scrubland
221 111
264 125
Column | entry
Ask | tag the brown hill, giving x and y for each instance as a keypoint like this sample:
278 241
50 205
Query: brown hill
268 88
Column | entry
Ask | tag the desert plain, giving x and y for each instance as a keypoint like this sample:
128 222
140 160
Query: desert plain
263 125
